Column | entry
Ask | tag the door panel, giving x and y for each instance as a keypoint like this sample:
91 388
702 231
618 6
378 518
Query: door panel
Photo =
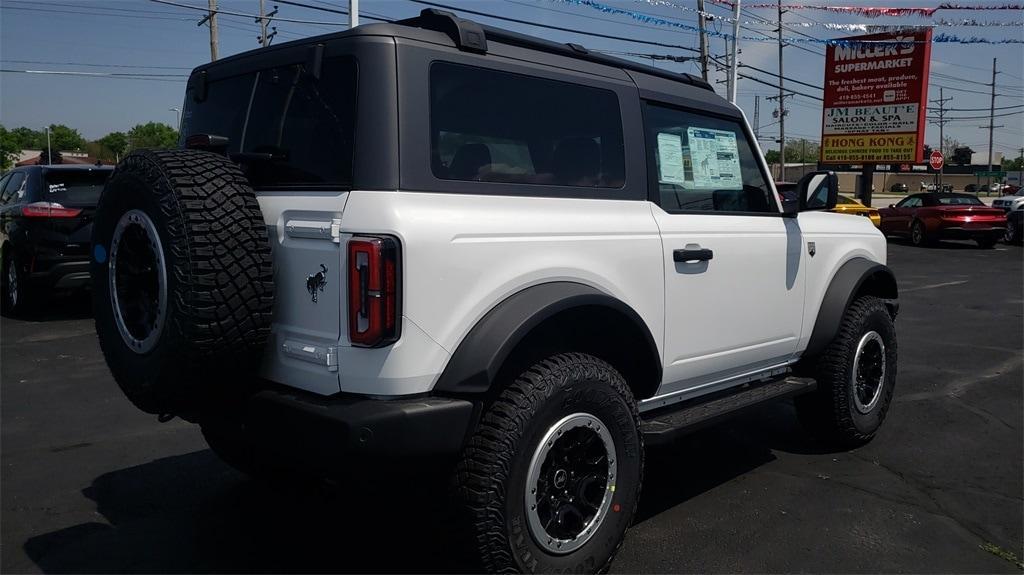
739 311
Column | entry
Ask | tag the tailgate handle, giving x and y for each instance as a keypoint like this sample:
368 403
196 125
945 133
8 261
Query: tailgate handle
315 229
326 356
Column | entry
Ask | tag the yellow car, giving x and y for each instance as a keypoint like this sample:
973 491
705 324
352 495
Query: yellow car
848 205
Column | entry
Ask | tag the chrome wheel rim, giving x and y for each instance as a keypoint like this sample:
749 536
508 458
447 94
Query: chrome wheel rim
138 281
868 375
1011 232
570 483
12 284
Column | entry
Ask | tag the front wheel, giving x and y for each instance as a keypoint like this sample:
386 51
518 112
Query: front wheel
551 477
856 375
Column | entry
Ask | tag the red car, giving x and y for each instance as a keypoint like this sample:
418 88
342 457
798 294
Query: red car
932 216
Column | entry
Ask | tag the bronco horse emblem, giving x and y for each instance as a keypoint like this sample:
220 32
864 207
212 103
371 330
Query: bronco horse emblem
317 282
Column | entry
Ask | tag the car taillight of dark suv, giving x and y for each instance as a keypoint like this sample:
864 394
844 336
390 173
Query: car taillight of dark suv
46 215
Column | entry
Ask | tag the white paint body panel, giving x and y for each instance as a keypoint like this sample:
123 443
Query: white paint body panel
751 309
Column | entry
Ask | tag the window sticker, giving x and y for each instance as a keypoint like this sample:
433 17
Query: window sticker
54 188
716 159
670 159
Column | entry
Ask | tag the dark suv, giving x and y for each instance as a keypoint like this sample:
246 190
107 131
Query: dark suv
46 217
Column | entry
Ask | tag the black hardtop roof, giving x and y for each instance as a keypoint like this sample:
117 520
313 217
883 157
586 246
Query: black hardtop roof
433 25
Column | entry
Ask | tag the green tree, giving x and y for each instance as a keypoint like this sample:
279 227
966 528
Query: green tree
962 156
64 138
771 156
9 148
27 138
153 135
115 144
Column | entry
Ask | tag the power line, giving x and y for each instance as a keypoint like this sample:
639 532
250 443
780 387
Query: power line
51 63
219 11
181 78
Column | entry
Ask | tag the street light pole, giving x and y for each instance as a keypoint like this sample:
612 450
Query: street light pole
177 117
49 150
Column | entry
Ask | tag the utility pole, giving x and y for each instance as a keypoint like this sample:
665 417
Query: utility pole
263 20
211 19
353 13
757 118
49 150
703 40
782 106
991 123
942 123
734 69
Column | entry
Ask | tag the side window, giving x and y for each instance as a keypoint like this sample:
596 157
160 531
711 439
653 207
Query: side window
303 125
12 190
3 193
495 126
703 163
911 202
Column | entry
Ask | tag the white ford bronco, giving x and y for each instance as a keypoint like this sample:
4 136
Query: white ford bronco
434 240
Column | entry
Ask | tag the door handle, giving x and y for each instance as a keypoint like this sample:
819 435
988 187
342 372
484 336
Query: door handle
692 255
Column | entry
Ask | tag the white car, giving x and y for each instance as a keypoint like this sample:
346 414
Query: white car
434 243
1011 202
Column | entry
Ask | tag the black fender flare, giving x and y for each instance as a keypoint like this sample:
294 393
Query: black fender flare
858 276
476 362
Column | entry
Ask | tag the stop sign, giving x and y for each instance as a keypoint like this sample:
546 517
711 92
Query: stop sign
935 160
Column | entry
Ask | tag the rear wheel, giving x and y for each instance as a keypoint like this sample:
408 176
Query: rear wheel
12 282
918 235
856 375
551 477
1013 232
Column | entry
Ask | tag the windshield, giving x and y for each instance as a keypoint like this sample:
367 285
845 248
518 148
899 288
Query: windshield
960 201
74 187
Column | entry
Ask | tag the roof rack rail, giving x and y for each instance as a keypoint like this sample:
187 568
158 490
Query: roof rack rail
472 37
467 34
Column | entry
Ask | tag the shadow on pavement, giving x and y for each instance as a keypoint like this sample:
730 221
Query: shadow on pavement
58 306
191 513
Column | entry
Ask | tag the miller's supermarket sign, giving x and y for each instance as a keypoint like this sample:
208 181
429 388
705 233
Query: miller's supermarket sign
876 97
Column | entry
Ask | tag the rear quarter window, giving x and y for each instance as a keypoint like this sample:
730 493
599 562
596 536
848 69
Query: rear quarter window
294 130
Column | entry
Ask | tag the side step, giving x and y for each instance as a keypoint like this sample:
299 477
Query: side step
663 425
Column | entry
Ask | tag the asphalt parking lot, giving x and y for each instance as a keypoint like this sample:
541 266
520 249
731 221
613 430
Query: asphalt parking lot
89 484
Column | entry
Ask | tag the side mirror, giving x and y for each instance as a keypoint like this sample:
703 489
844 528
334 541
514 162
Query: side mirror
818 191
892 205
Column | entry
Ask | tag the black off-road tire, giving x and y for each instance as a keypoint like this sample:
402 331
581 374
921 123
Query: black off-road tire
491 476
830 412
219 279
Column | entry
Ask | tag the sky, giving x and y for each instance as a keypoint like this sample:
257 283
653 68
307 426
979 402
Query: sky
164 42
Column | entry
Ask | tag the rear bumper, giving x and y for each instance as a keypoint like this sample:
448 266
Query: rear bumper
60 274
958 233
329 434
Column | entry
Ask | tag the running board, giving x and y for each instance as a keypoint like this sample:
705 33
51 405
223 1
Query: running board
663 425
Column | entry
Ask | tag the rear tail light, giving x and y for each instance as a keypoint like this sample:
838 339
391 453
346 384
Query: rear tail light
373 291
48 210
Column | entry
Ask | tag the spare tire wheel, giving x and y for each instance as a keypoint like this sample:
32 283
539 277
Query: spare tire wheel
182 279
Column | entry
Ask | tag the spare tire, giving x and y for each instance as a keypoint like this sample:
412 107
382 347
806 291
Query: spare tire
182 279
